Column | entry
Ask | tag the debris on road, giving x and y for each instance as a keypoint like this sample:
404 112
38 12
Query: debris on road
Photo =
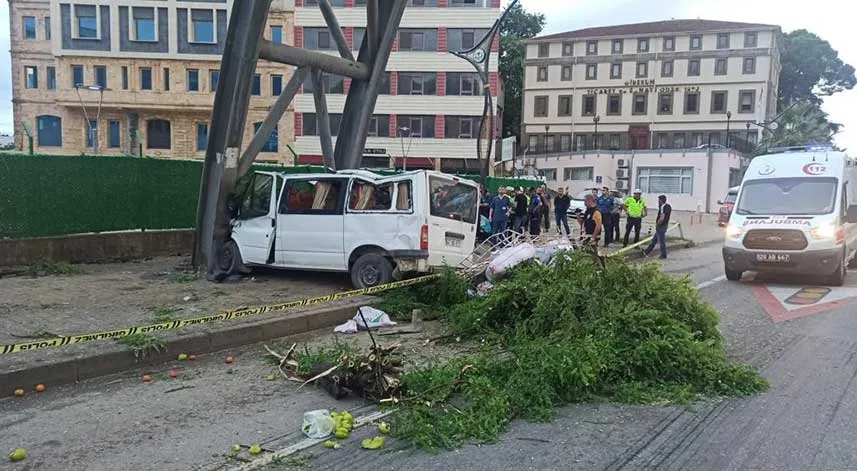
18 455
367 318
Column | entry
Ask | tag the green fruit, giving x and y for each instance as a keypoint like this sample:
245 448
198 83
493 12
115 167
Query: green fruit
18 455
372 443
347 416
255 450
270 377
182 356
341 433
384 427
331 444
236 448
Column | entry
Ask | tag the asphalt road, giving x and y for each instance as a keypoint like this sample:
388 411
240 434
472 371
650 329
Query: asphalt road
803 423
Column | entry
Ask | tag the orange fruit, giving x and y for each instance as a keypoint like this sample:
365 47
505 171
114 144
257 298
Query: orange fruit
40 388
146 378
19 392
229 360
173 373
192 358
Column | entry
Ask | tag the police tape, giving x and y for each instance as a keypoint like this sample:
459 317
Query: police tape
239 313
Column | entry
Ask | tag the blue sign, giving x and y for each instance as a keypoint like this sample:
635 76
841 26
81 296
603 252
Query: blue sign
598 179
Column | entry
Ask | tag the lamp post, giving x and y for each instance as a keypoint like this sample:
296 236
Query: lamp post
91 132
747 139
402 131
728 121
545 147
596 119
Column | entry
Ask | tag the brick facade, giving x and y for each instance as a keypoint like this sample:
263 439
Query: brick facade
394 126
299 36
394 83
349 36
441 84
439 126
441 40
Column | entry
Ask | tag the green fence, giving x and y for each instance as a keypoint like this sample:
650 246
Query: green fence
54 195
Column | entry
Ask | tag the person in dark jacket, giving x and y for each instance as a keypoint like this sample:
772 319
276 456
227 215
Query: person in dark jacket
561 203
536 208
520 211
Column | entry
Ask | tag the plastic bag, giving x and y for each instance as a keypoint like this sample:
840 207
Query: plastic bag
318 423
376 318
508 259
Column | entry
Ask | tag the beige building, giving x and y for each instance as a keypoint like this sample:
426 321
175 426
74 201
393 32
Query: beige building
666 107
157 63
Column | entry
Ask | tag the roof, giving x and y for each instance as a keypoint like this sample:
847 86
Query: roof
654 28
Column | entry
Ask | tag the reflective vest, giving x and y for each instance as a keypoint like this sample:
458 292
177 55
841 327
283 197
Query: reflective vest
634 207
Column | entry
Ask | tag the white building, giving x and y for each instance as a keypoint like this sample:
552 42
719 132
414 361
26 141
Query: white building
646 94
432 94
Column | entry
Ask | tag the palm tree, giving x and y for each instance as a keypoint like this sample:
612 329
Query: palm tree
802 124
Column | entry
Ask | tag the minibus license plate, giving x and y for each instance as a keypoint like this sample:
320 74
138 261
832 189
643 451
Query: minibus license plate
453 242
773 257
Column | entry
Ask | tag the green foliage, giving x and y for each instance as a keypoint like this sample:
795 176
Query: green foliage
433 297
801 124
142 345
50 268
811 69
568 333
518 26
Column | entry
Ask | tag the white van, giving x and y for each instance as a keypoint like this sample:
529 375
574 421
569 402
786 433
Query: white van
795 213
374 227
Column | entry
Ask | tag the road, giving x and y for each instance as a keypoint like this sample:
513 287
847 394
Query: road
807 352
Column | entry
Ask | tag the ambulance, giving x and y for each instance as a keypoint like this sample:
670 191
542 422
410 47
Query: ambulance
795 213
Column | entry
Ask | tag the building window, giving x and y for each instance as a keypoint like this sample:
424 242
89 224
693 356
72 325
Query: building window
693 68
158 135
101 76
747 101
29 27
76 76
564 142
92 134
678 141
277 34
565 73
87 21
202 26
589 105
167 79
213 79
749 66
614 105
723 41
691 103
751 39
720 66
273 142
379 126
548 173
533 142
461 83
31 76
192 80
417 83
542 73
418 126
52 78
568 49
49 131
418 40
113 134
276 85
591 71
465 39
318 38
643 45
718 102
662 141
591 48
578 173
665 103
461 127
667 68
332 84
145 78
48 28
616 70
669 43
617 46
696 42
615 141
311 124
714 138
640 103
256 85
201 136
144 24
665 180
540 110
564 105
642 69
544 50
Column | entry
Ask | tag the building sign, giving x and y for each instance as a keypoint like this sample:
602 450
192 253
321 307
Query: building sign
641 86
374 151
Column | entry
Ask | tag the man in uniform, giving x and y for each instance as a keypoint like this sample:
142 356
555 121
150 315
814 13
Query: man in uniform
635 208
604 203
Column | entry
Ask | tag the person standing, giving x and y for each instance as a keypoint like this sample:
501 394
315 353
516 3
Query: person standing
661 223
616 216
590 221
545 196
520 210
635 208
536 207
561 203
604 204
498 214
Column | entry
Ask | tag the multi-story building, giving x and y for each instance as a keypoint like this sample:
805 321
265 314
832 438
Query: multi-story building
158 63
651 91
428 110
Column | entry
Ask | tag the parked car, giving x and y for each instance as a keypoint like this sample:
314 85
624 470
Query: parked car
726 206
371 226
577 205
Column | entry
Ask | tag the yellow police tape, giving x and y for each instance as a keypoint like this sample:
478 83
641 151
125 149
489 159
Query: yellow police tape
223 316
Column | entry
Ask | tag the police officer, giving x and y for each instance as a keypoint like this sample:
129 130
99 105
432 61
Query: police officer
635 208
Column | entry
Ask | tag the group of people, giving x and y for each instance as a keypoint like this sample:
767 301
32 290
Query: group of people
521 211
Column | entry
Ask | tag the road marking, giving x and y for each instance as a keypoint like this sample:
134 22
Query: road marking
706 284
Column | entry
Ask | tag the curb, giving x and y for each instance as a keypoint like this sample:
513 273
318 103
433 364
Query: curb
119 359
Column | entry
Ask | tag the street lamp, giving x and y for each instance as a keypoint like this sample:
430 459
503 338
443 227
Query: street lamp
91 131
747 139
596 119
545 148
728 120
402 131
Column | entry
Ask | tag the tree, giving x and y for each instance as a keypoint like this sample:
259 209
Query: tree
518 26
811 69
802 123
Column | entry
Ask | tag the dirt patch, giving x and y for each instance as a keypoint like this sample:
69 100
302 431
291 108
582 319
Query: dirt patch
108 296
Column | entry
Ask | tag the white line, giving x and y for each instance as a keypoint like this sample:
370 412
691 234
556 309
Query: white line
706 284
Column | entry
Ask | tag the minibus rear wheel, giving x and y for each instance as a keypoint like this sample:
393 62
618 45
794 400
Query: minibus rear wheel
371 269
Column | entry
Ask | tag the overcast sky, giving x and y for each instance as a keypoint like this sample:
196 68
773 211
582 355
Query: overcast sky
831 20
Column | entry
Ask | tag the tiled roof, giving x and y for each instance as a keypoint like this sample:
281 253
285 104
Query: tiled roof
655 28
